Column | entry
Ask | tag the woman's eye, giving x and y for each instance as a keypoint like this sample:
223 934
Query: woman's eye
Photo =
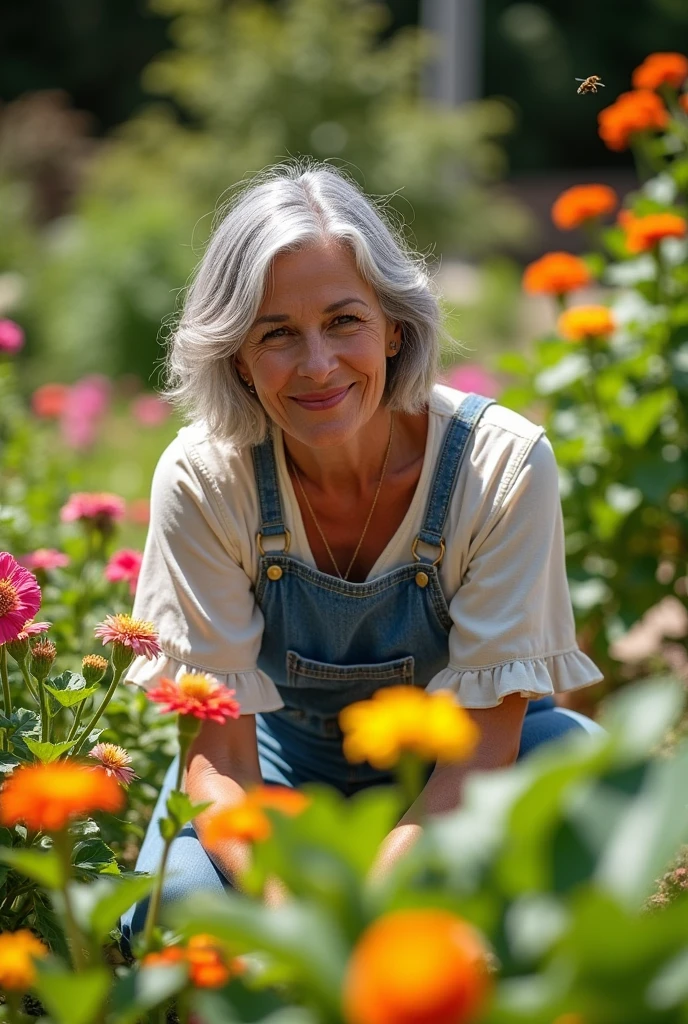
273 334
346 317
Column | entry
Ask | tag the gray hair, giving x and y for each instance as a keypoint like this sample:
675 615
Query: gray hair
281 210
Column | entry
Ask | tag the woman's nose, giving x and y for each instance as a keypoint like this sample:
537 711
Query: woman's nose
317 360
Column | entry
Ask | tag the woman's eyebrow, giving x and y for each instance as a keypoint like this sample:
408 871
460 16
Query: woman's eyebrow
277 318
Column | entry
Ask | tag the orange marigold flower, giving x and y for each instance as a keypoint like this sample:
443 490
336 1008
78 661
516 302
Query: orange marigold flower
555 273
46 797
639 111
406 718
210 966
644 233
18 951
581 203
124 631
661 69
164 957
419 966
197 694
247 822
583 322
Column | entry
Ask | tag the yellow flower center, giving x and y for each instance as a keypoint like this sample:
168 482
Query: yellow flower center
195 684
113 756
9 597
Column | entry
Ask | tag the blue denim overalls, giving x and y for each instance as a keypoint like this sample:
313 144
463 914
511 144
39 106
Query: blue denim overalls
327 643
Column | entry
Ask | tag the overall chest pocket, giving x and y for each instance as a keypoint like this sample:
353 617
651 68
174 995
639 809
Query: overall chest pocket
316 692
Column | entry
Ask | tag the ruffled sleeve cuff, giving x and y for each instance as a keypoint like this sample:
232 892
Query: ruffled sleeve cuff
533 678
255 691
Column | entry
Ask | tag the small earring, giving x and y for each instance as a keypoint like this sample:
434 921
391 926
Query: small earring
393 346
249 385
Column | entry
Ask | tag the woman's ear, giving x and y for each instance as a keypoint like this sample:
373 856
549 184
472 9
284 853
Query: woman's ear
394 337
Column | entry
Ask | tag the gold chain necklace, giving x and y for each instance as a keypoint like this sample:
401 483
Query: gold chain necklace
370 514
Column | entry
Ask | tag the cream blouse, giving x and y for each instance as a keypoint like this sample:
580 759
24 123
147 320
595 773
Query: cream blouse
503 574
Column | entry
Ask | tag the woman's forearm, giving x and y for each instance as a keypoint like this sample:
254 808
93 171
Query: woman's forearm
223 791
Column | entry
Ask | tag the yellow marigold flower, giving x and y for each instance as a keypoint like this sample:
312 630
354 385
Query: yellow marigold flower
17 953
406 718
581 322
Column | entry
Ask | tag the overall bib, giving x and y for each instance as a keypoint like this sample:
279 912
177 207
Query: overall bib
328 643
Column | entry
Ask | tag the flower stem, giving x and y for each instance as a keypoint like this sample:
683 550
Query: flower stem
77 720
6 695
156 896
27 680
410 776
116 676
13 1008
63 846
45 717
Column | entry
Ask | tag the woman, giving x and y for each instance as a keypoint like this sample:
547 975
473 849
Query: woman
332 521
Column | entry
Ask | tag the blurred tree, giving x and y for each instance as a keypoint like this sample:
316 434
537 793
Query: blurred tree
246 84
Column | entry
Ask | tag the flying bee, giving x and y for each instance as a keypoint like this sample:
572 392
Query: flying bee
589 84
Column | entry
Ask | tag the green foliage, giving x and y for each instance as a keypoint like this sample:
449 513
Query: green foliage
245 85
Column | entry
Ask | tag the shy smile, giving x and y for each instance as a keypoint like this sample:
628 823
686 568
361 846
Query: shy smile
316 401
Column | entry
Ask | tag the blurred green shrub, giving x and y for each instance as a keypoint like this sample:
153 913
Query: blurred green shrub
245 85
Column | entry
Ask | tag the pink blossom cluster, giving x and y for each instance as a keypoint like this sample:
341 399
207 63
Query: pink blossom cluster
99 508
45 558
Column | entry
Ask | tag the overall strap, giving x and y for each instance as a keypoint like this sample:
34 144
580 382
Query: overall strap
462 425
271 519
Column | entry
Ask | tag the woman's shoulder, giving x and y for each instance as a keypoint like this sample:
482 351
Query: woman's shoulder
497 421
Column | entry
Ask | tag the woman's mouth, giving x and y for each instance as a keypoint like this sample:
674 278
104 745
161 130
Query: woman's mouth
316 401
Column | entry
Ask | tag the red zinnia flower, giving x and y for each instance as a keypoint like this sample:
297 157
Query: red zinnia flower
196 694
20 597
49 400
45 558
137 634
125 565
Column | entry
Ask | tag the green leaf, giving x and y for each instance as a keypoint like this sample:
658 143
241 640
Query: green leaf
22 722
639 715
66 681
68 698
650 833
98 905
48 925
93 856
301 936
48 752
5 838
72 998
142 990
8 762
44 868
181 809
640 420
237 1004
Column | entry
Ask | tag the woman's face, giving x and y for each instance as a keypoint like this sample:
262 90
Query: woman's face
317 351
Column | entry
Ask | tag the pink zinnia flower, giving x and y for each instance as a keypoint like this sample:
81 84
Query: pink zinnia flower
20 597
124 565
115 761
87 403
149 410
137 634
33 629
11 336
45 558
99 508
197 694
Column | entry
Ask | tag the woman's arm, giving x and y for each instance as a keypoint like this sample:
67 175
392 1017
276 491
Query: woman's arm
500 737
222 765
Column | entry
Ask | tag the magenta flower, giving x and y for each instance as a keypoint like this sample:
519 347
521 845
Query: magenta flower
124 565
150 410
33 629
115 760
20 597
11 336
473 378
45 558
99 509
87 403
124 631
